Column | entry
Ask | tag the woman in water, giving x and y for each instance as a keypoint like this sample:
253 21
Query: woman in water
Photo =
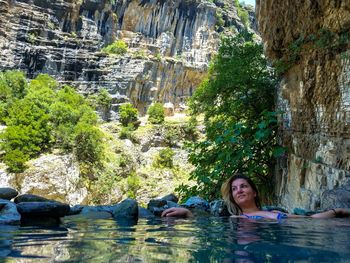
242 199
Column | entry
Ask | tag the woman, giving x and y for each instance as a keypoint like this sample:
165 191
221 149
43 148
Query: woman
242 199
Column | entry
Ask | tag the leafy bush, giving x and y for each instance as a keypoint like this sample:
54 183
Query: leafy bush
104 99
128 115
118 47
127 133
88 143
40 116
156 113
133 184
164 159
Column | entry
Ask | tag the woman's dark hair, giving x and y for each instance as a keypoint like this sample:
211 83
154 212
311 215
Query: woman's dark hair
226 191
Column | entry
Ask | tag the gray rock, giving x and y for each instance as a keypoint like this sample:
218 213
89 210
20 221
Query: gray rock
336 198
44 209
145 213
88 215
9 213
170 204
153 203
196 202
128 208
74 210
171 197
99 208
218 208
30 198
8 193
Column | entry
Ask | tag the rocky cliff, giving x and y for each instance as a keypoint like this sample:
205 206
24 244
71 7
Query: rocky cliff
170 44
309 40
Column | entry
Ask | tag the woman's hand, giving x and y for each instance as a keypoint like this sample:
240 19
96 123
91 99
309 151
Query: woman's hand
177 212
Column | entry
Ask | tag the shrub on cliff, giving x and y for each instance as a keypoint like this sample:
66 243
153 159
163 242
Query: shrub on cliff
128 116
156 113
118 47
237 100
164 159
42 117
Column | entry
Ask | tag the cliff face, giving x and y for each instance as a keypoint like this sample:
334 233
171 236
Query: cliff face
169 44
310 39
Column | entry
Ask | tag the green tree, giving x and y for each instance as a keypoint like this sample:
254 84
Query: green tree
237 100
156 113
13 86
128 115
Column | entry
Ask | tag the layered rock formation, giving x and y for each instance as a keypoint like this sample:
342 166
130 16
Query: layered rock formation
311 39
170 44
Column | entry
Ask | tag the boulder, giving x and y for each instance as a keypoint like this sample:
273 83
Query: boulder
7 193
157 206
9 213
170 197
128 208
43 209
30 198
196 202
145 213
218 208
339 197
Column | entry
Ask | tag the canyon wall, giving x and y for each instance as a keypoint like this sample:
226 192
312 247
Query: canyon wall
309 41
170 44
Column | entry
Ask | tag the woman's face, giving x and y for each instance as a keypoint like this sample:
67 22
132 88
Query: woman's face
243 193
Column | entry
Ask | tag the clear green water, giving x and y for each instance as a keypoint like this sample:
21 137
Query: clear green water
180 240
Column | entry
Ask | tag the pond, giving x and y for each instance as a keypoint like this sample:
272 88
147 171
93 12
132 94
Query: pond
210 239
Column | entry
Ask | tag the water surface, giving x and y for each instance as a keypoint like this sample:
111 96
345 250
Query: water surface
179 240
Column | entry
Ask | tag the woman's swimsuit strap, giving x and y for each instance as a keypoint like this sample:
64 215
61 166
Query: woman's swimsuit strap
279 216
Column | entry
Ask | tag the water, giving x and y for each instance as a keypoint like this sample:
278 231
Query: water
179 240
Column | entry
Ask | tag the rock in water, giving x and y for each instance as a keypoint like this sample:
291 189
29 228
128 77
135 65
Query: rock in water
9 213
45 209
7 193
126 209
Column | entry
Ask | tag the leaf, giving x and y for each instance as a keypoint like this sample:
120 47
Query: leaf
278 151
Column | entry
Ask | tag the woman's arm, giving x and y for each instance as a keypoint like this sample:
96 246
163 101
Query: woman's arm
337 212
177 212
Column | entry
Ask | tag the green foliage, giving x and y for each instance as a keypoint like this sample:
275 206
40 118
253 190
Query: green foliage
88 143
13 86
128 115
118 47
128 133
40 116
237 100
164 159
133 184
156 113
104 99
242 13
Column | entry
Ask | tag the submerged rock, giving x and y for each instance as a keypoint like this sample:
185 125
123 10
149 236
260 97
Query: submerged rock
9 213
8 193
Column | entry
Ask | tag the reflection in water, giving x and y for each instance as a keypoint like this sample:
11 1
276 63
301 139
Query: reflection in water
180 240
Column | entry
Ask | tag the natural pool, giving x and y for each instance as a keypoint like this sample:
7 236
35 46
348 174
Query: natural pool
179 240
